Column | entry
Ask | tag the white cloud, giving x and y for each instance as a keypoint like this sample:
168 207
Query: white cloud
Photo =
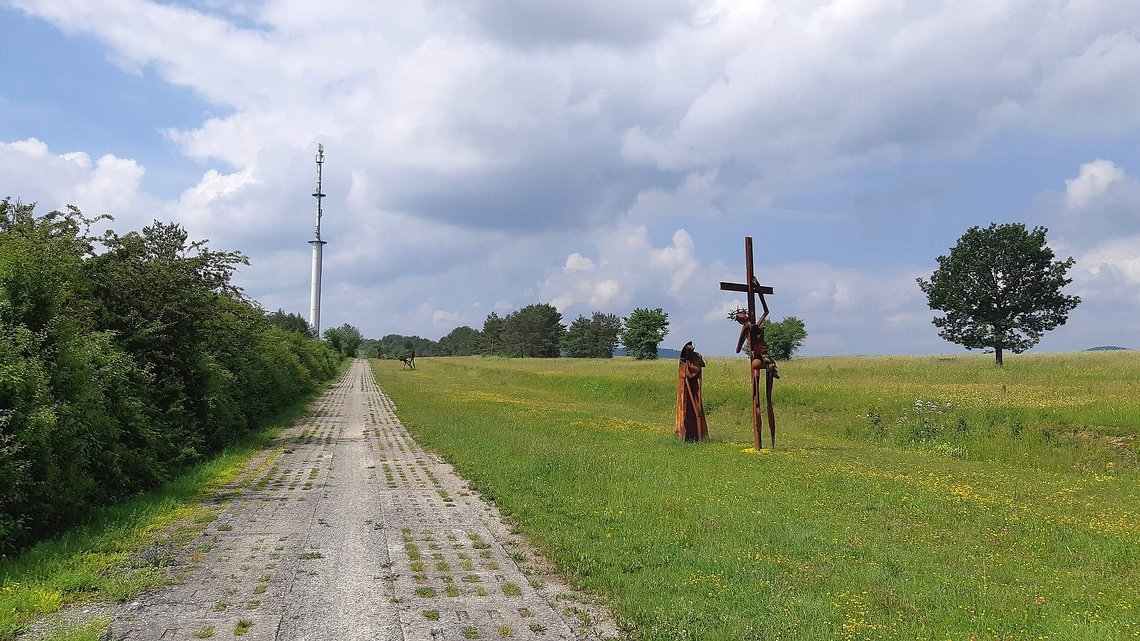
836 299
578 263
1097 222
806 88
721 310
1116 261
204 200
441 318
479 154
604 293
477 95
1100 207
677 260
1107 278
1095 179
109 185
1097 90
33 148
629 268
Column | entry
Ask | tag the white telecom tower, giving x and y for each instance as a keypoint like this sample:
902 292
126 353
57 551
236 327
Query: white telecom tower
318 250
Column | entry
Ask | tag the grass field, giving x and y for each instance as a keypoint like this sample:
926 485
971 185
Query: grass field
909 498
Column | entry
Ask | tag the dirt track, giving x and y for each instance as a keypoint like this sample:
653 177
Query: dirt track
353 532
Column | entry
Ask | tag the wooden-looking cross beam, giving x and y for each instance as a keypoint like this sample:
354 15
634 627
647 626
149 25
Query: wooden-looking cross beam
751 286
756 287
752 330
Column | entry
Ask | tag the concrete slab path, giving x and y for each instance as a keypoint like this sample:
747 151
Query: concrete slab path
349 532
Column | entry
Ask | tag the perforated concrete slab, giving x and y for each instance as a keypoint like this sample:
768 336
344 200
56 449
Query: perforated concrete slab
350 531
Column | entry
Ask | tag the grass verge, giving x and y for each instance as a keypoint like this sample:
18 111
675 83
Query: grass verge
1022 524
126 548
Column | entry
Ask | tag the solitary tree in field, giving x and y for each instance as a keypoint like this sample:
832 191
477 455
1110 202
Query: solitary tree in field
999 287
785 337
644 330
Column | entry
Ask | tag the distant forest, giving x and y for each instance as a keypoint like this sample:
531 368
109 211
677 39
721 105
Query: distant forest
534 331
537 331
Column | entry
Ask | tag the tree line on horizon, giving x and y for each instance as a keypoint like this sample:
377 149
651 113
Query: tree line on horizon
999 288
537 331
345 339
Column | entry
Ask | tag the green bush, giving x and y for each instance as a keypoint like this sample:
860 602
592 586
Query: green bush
119 368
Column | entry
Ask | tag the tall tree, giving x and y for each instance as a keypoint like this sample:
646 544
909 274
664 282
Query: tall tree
462 341
345 339
785 337
604 332
289 322
577 339
1000 288
594 337
493 328
644 330
160 294
534 331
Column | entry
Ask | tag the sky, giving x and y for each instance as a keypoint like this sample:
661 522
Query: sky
482 155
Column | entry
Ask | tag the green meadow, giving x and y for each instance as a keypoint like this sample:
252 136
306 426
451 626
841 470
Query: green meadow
908 497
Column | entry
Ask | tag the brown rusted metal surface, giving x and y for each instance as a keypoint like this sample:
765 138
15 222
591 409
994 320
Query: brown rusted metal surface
408 361
691 425
752 333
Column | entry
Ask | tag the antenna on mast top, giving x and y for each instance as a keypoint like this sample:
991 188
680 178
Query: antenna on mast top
317 194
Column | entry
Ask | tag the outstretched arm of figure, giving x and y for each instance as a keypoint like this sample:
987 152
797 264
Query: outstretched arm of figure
743 335
763 316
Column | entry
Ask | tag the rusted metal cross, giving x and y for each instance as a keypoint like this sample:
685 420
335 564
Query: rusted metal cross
752 330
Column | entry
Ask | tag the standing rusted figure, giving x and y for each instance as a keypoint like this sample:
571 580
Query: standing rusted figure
752 331
691 424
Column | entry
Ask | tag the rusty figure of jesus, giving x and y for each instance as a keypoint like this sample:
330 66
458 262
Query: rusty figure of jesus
752 332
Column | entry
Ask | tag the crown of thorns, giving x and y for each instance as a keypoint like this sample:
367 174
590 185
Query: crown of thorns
738 310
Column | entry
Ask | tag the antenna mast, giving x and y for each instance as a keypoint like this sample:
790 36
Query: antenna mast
318 250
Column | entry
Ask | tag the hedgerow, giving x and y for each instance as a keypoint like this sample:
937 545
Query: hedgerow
124 359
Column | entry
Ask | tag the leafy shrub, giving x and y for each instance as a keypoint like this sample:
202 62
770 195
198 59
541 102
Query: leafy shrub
117 369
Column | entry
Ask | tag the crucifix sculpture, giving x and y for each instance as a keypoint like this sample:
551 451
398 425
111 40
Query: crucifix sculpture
752 331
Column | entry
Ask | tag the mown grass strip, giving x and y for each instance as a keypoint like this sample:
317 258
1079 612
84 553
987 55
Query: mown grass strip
847 530
123 549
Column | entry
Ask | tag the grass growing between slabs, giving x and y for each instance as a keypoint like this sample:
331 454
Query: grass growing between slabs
126 548
909 498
